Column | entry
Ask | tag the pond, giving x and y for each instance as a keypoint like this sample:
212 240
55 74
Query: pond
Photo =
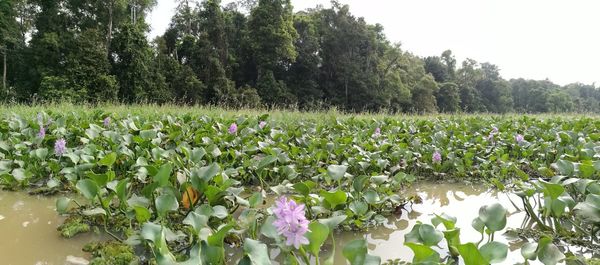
29 236
28 225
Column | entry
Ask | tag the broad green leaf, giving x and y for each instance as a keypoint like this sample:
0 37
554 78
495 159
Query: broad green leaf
256 252
528 251
88 188
334 198
62 204
317 236
494 216
333 222
108 160
429 235
336 172
471 255
494 252
423 254
166 203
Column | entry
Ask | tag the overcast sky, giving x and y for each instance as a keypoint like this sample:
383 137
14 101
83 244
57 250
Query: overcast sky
536 39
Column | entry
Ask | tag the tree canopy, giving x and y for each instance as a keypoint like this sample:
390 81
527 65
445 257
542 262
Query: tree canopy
248 53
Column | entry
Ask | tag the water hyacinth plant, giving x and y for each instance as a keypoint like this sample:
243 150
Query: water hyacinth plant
179 189
519 138
60 147
106 122
233 128
436 157
262 124
42 132
291 222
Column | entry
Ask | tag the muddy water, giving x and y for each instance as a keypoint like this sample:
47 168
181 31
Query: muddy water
29 236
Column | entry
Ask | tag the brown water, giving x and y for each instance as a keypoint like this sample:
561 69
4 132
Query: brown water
29 236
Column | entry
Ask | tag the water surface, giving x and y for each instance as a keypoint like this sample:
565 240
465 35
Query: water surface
29 236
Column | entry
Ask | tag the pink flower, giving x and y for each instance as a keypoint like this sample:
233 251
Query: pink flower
436 157
60 147
106 121
291 222
262 124
233 128
42 132
519 138
377 132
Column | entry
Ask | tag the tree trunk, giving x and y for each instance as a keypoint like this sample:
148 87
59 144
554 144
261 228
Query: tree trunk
4 73
110 25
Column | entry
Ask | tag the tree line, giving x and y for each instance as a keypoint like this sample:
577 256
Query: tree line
248 53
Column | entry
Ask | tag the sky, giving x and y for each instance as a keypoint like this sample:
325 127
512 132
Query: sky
534 39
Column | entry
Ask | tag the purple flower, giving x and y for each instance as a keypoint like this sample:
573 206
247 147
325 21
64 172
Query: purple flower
519 138
436 157
490 137
106 121
42 132
377 132
291 222
60 147
233 128
262 124
494 129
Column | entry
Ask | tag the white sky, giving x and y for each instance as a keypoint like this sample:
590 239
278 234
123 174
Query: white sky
534 39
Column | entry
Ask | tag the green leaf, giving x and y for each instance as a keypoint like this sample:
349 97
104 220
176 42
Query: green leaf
302 188
333 222
494 216
548 253
471 255
148 134
256 252
553 190
265 161
88 188
316 237
142 214
108 160
448 221
62 204
41 153
334 198
494 252
528 251
359 208
429 235
565 167
255 200
163 175
336 172
586 170
165 203
423 254
356 252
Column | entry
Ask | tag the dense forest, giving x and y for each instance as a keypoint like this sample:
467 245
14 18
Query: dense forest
246 54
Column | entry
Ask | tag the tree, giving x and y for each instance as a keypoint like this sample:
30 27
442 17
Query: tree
273 35
423 98
303 75
448 98
133 63
8 36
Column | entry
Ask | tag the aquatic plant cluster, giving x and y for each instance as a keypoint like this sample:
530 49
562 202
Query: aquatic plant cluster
183 190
